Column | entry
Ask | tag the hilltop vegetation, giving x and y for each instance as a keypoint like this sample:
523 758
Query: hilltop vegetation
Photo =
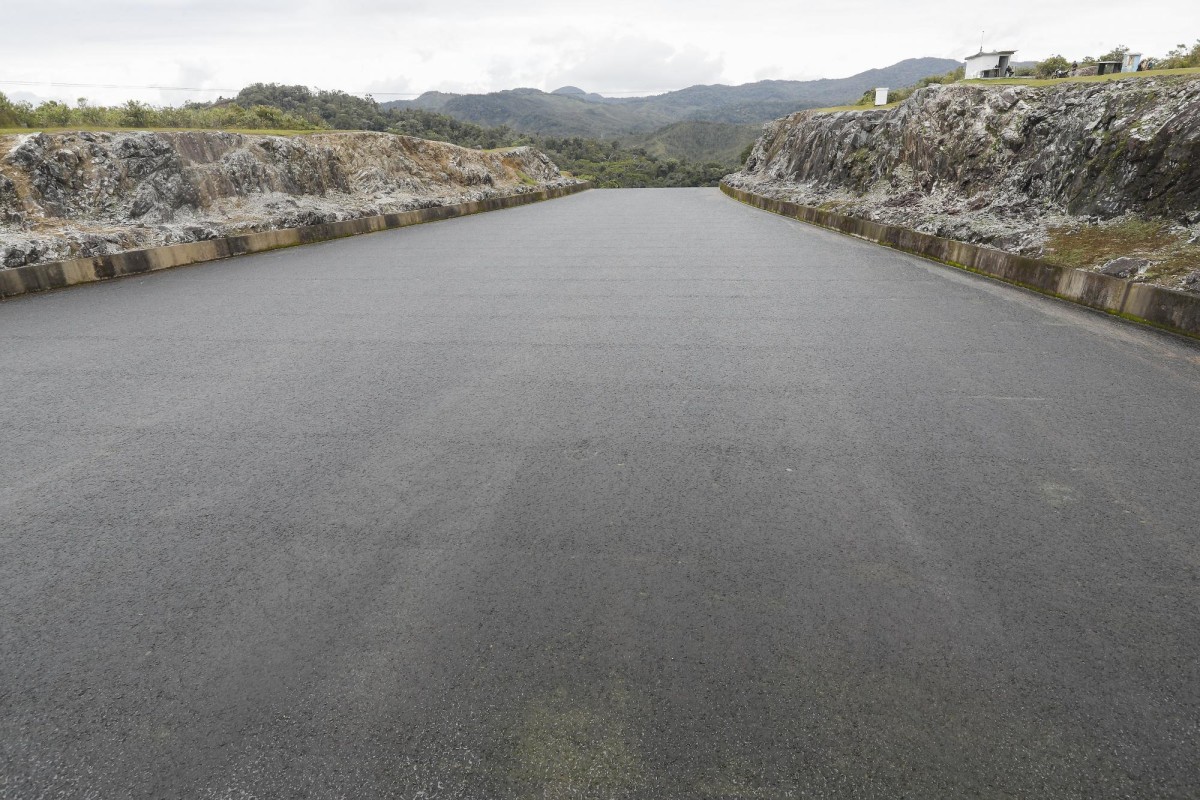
228 116
273 107
1182 57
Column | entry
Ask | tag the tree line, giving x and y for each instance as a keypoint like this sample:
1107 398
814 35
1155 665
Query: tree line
1181 57
275 107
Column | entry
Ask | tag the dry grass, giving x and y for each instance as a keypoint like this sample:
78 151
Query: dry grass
1094 246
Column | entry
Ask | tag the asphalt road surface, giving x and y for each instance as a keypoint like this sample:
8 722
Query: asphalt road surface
633 494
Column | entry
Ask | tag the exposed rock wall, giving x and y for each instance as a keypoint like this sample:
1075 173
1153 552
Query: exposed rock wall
81 194
996 164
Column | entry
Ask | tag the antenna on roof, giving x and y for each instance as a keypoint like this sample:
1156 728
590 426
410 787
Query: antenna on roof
982 34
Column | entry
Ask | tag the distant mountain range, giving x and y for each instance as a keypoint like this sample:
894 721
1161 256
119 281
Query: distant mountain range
571 111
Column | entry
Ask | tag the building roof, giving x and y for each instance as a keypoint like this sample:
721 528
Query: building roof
995 53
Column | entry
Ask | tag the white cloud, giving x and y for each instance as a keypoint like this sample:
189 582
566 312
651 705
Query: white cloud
636 64
479 45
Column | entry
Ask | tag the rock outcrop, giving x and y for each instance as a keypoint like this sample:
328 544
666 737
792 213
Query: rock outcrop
1005 166
72 195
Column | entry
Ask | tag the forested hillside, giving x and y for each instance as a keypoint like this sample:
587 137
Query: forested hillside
571 111
724 142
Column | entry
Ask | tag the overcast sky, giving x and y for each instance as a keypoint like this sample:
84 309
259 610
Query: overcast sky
613 46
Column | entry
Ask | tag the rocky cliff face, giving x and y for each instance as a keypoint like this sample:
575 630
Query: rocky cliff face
74 195
1022 168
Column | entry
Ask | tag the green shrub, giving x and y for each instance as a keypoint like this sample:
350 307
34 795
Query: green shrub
13 115
136 115
1118 53
1180 58
1051 66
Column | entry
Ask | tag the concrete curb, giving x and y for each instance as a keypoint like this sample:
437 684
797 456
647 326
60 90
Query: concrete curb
58 274
1174 311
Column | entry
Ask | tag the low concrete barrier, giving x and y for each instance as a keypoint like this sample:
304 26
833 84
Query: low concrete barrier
1178 312
57 274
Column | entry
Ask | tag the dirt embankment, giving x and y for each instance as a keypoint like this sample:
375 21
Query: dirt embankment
75 195
1102 176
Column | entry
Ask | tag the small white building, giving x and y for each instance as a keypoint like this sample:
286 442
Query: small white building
881 96
989 65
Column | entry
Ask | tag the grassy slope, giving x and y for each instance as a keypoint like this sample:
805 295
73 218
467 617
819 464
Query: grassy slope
832 109
1120 76
1092 246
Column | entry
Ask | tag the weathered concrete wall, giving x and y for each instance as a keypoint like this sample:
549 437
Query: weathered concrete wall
1152 305
59 274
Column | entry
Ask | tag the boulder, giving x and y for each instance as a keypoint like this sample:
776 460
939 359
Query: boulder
1125 267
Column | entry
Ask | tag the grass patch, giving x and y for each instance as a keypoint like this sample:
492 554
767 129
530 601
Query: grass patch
832 109
1095 245
1026 81
1120 76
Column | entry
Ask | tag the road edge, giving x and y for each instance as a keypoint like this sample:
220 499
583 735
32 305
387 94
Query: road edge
1143 303
19 281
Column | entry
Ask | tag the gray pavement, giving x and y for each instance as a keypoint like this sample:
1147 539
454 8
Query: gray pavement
636 494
